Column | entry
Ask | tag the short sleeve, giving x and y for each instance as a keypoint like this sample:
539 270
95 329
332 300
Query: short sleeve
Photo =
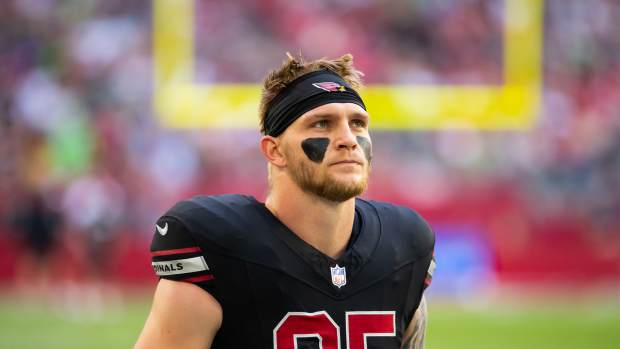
176 256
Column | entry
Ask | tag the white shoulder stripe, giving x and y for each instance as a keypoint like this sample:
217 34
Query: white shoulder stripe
431 267
180 266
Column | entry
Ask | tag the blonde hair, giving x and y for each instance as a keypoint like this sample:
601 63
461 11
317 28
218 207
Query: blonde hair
294 67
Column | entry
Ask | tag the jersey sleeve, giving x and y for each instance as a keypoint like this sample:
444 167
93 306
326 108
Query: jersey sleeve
424 245
425 241
176 256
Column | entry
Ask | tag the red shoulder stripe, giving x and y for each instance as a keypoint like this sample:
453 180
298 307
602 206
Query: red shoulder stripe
199 278
428 281
176 251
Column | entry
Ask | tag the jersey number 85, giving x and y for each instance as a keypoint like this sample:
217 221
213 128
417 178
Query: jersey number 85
359 326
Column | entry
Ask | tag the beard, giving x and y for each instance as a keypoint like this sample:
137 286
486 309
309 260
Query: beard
310 180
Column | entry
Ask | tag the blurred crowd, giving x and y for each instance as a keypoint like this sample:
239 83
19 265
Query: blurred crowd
85 168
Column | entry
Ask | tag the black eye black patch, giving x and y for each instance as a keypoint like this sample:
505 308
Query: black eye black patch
366 147
315 148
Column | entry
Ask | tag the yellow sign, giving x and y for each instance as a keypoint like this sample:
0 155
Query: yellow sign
180 103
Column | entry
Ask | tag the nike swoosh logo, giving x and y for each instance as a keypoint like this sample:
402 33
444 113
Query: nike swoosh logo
162 231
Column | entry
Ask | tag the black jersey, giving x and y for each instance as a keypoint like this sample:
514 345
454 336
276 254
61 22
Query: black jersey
277 291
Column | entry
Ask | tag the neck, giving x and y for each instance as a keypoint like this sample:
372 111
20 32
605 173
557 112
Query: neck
324 224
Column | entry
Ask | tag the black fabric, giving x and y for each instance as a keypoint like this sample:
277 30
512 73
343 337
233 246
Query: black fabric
357 228
304 94
263 272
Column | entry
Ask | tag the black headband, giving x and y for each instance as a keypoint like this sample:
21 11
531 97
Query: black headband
304 94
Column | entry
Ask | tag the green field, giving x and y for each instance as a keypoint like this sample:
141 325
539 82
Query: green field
533 325
557 326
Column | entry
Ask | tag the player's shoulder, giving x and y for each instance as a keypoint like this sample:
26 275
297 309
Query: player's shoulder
213 213
222 205
189 236
222 221
401 223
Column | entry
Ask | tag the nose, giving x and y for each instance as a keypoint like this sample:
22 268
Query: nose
345 138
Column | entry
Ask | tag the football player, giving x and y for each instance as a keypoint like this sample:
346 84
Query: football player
314 266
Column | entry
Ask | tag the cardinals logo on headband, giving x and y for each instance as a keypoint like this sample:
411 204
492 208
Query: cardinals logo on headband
329 86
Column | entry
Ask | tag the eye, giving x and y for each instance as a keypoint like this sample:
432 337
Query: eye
358 123
321 124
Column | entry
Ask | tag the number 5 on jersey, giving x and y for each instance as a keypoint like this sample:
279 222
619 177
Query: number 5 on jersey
360 325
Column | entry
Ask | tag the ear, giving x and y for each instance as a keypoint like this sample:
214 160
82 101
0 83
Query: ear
270 146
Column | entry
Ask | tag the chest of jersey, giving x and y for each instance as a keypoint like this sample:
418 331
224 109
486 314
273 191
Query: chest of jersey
268 308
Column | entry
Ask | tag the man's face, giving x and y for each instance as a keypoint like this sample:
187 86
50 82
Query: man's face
328 151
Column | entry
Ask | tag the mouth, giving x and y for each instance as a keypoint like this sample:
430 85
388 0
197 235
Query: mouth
347 162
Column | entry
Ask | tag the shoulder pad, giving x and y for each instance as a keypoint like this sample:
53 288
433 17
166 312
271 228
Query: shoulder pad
227 224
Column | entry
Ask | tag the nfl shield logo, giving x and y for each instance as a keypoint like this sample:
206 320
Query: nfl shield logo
339 276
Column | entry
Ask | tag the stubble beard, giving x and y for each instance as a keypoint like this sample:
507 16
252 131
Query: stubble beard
310 180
